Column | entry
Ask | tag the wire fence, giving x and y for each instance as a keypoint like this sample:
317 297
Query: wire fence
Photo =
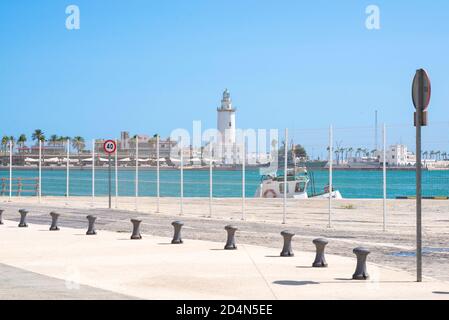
356 169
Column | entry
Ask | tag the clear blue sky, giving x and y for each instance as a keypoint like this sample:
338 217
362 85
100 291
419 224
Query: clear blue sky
152 66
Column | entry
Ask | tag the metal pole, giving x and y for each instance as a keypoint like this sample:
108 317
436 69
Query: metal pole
137 172
67 187
385 176
93 172
331 160
293 155
418 186
40 170
182 179
110 183
10 170
157 176
285 176
210 180
375 130
116 175
243 177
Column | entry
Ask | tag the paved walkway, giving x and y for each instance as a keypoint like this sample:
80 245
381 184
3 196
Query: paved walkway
394 248
110 265
17 284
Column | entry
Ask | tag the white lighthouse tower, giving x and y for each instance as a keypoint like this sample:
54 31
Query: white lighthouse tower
226 127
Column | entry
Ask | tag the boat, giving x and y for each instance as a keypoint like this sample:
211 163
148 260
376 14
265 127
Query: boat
272 186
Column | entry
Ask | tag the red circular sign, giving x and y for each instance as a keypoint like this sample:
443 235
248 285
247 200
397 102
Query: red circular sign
109 146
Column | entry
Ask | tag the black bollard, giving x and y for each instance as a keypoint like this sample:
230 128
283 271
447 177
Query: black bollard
230 242
287 249
91 229
1 214
54 221
177 225
361 272
136 229
23 218
320 260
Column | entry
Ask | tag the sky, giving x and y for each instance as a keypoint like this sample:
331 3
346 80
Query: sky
154 66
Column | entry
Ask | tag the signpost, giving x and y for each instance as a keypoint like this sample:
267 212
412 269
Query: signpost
421 92
109 147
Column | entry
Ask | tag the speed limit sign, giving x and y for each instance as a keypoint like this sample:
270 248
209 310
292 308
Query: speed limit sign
109 146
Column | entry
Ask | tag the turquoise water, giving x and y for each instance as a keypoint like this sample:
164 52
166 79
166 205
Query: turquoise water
352 184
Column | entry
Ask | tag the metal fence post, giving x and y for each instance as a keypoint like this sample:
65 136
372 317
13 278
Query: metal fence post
182 179
116 175
330 174
285 176
10 170
67 170
93 172
243 177
157 176
385 177
40 170
137 174
418 196
210 180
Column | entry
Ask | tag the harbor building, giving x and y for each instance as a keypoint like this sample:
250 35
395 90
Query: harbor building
126 145
397 155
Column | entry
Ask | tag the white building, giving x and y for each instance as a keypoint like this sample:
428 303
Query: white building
226 127
398 155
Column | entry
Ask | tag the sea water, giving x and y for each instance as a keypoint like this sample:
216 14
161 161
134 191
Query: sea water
228 183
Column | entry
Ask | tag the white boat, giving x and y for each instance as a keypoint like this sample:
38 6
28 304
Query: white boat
272 186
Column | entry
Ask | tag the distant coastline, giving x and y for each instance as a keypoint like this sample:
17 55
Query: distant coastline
203 168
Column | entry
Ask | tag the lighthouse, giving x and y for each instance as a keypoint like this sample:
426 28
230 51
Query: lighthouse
226 127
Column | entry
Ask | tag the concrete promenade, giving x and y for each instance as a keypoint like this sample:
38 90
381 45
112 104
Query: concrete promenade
354 223
69 264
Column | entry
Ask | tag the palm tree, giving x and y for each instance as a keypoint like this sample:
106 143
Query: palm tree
425 154
11 142
365 152
5 140
38 135
134 142
22 139
53 140
78 143
342 153
298 151
337 155
349 152
444 155
63 140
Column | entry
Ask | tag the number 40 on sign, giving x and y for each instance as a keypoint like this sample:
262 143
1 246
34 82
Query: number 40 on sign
109 146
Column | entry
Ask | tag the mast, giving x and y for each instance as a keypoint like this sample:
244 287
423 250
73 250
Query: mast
375 130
